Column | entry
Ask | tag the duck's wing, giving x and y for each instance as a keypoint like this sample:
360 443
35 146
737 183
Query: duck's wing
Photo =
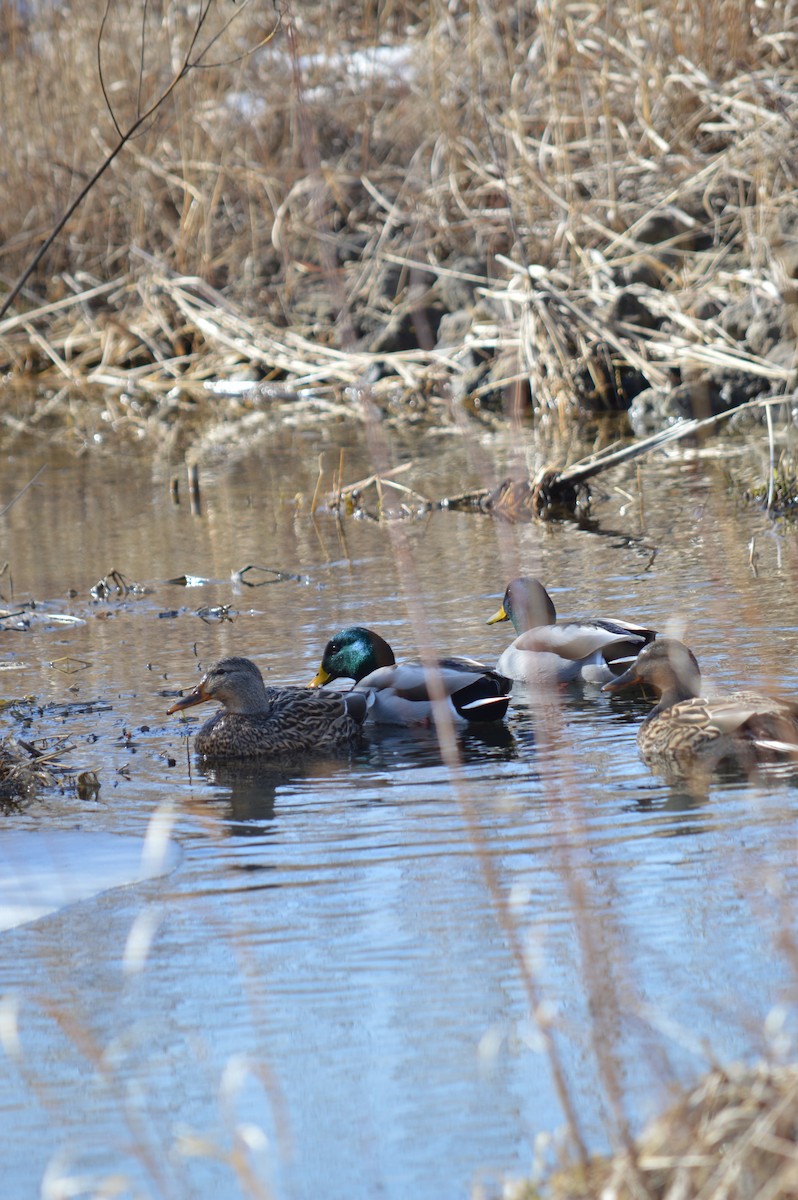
573 642
590 651
322 707
632 638
615 625
748 716
755 716
403 692
355 705
410 680
477 692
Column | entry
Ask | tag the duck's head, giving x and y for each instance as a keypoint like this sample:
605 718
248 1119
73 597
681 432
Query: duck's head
353 654
666 666
527 604
234 682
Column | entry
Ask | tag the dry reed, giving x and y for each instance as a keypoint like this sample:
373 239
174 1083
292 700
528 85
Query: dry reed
733 1135
533 163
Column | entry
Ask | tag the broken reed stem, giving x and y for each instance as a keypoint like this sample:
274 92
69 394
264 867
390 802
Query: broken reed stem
22 491
771 459
316 489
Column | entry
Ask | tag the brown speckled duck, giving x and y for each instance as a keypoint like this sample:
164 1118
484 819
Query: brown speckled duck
687 727
260 722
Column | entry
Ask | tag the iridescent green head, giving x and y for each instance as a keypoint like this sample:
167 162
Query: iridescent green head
353 654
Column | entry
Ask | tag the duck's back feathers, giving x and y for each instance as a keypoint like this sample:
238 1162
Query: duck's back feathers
293 725
721 726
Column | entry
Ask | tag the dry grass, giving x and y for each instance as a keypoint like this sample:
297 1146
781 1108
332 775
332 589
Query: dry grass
540 160
733 1135
27 769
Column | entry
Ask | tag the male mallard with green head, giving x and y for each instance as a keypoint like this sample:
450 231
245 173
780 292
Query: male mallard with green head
561 651
685 726
401 693
259 722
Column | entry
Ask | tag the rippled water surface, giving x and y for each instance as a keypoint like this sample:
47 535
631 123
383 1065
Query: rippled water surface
339 980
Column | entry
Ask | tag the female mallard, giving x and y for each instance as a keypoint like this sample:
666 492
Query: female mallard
687 727
400 694
256 721
548 650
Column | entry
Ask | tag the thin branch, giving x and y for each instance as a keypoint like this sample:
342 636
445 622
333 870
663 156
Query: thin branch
100 74
22 491
187 65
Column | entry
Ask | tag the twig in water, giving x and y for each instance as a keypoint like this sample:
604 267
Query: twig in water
772 462
318 484
21 493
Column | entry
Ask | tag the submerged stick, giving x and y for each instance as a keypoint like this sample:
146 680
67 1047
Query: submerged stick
22 492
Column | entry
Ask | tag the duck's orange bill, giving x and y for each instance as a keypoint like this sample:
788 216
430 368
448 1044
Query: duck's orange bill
198 696
621 682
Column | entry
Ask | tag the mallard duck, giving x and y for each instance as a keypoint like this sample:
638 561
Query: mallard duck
684 725
256 721
548 650
399 693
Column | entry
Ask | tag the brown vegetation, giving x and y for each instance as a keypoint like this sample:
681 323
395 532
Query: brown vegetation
591 184
732 1136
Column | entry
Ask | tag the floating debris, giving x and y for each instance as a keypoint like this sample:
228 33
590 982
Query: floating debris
391 500
87 785
73 708
555 493
21 775
23 617
188 581
219 612
115 584
26 767
274 576
69 665
780 494
17 620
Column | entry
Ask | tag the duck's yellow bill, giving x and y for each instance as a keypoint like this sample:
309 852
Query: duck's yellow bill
320 678
501 615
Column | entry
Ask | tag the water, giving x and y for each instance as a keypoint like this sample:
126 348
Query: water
330 990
